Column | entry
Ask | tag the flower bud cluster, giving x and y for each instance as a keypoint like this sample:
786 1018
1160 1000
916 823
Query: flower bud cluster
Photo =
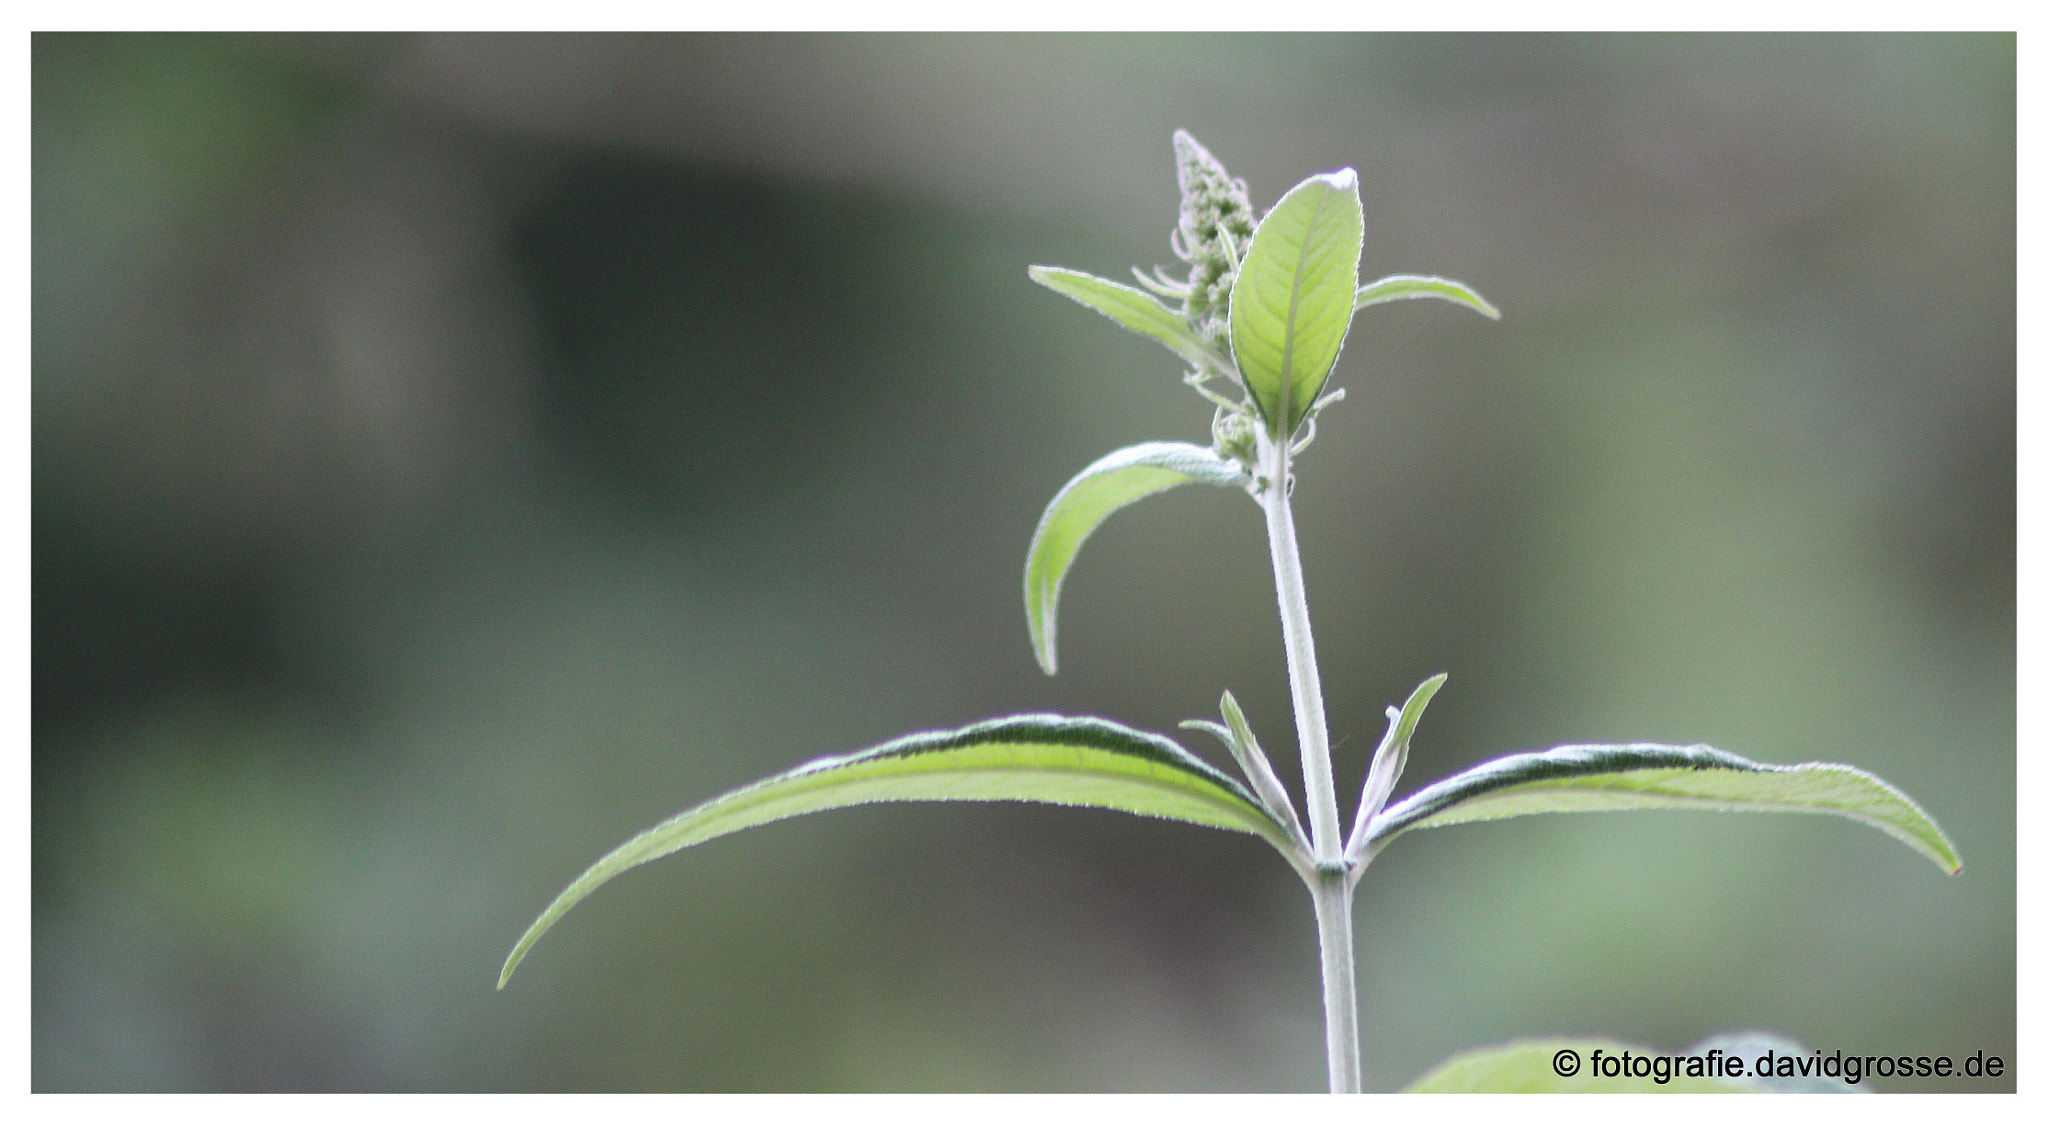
1216 224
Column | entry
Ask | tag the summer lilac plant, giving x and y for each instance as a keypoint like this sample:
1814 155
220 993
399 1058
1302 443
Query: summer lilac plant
1258 319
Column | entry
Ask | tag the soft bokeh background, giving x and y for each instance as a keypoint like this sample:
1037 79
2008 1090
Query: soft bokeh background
453 454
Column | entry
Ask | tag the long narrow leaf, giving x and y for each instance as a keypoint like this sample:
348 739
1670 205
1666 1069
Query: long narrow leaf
1045 758
1292 303
1119 479
1405 286
1648 776
1135 309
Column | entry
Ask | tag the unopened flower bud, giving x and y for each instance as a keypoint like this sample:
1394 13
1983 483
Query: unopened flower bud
1236 436
1216 224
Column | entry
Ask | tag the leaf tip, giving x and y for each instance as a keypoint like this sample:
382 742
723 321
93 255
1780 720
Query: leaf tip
1343 179
1420 697
1950 863
525 946
1039 607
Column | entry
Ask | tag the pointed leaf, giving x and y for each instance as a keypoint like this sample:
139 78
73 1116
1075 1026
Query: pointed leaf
1292 302
1648 776
1244 749
1390 760
1121 478
1258 767
1046 758
1135 309
1404 286
1532 1066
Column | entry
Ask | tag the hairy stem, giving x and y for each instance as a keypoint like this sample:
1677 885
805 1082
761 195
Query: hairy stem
1310 730
1327 882
1332 890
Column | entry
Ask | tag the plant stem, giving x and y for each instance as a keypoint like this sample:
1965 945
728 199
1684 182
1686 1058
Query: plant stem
1310 730
1332 891
1328 882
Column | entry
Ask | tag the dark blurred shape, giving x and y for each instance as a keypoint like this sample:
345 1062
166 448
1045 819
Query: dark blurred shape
697 321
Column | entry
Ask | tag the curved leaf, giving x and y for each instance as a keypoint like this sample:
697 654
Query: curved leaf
1292 303
1135 309
1531 1067
1404 286
1121 478
1649 776
1047 758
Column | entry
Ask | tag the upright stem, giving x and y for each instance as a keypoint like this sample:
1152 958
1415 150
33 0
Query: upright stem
1311 731
1340 983
1328 883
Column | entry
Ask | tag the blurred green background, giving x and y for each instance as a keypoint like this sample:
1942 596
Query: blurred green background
454 453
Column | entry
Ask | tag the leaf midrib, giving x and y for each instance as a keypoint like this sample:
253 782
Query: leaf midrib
1293 307
1215 794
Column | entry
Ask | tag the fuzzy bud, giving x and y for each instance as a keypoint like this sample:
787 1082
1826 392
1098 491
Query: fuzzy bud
1236 437
1215 217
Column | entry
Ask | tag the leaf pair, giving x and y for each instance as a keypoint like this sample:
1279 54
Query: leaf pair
1100 764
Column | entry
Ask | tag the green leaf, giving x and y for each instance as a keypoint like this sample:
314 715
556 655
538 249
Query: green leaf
1531 1067
1244 748
1121 478
1292 303
1047 758
1135 309
1648 776
1404 286
1389 760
